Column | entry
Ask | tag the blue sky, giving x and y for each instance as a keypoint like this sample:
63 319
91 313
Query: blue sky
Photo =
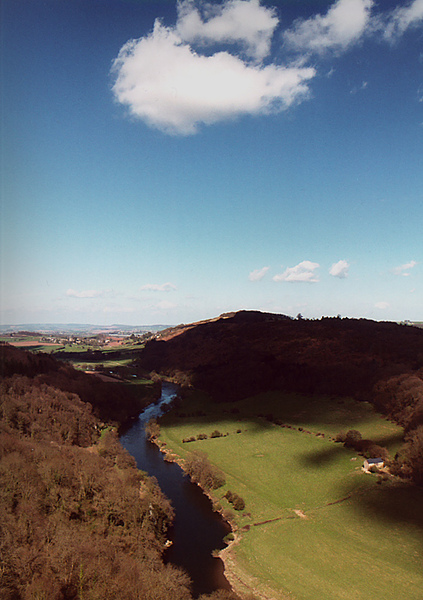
165 163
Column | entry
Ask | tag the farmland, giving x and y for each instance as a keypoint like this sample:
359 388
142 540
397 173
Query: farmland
314 524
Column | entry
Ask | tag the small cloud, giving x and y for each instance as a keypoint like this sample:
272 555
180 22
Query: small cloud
343 25
258 274
84 294
339 269
156 287
303 272
382 305
404 270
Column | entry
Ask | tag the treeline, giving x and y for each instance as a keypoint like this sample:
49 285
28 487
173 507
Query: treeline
78 520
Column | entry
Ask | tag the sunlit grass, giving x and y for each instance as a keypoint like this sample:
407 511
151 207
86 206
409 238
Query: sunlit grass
350 538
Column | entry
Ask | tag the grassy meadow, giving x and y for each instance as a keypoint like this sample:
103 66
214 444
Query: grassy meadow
315 526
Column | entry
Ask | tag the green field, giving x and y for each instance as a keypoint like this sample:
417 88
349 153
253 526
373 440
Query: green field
334 531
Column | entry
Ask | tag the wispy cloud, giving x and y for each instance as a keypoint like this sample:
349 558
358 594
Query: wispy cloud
359 88
404 269
258 274
402 18
163 81
85 293
303 272
340 269
343 25
158 287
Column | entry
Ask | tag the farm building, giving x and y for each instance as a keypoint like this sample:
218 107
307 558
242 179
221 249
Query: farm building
372 462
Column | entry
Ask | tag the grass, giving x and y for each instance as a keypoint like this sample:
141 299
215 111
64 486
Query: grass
350 538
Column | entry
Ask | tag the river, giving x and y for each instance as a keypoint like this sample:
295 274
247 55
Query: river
197 530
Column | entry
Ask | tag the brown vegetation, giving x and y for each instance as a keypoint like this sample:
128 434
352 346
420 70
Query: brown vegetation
78 520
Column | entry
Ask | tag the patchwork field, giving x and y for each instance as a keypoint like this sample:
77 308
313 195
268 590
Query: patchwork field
314 525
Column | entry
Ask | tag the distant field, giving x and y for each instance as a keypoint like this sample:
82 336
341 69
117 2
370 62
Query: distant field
117 357
334 533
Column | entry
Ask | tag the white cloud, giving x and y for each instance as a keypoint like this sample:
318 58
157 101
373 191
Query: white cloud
258 274
382 305
340 269
404 270
402 18
158 287
84 294
243 21
303 272
165 83
343 25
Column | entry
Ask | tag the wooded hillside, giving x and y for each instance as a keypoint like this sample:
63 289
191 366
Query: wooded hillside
78 520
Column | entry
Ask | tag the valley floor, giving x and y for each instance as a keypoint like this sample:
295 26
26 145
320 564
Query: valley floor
314 524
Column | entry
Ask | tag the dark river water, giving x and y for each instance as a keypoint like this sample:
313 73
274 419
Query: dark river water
197 530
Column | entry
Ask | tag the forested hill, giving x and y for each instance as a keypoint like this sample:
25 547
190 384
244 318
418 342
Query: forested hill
249 352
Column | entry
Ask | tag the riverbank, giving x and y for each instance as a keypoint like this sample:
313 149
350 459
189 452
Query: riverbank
236 579
241 582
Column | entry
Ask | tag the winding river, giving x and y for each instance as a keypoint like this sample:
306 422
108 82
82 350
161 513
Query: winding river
197 530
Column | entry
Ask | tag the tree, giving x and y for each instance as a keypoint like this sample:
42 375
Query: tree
413 455
352 437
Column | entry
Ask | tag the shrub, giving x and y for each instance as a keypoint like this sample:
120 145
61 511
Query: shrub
340 437
152 429
216 433
203 472
228 496
202 436
352 437
238 503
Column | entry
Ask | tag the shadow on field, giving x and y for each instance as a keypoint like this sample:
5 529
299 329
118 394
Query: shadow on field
394 504
390 440
280 409
324 457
